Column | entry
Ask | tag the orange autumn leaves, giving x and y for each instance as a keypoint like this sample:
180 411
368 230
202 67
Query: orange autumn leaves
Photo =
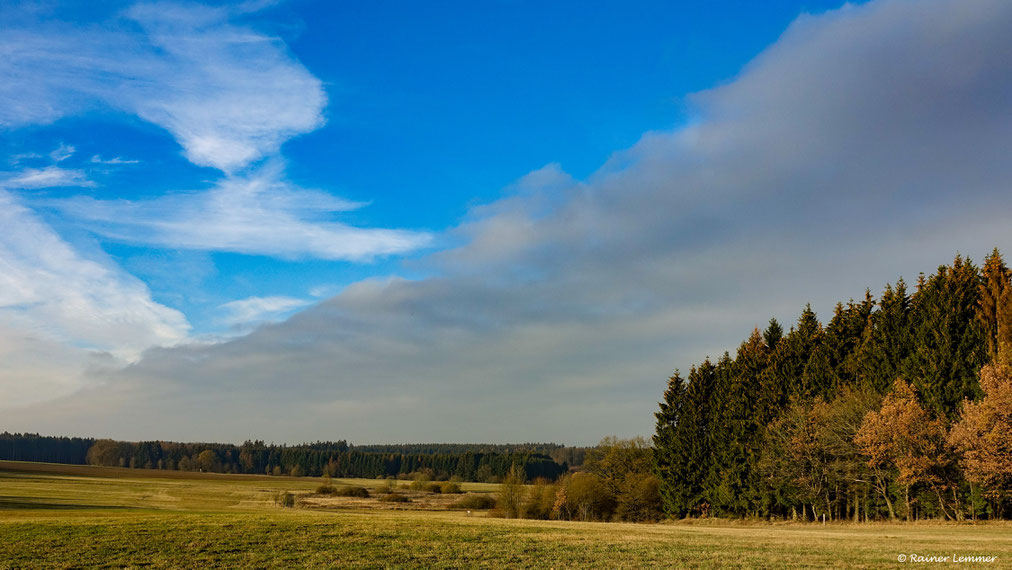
983 435
902 435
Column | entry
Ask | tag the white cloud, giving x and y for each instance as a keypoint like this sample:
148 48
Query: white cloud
49 290
229 94
97 159
254 310
62 152
260 213
48 177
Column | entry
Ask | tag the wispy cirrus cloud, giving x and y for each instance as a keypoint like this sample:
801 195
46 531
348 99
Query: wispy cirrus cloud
97 159
49 290
229 94
254 310
62 152
260 213
48 177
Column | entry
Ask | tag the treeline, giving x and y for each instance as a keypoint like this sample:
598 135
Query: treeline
572 456
887 411
35 447
336 459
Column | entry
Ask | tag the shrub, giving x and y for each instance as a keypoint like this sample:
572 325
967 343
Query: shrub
420 480
433 488
351 491
477 501
586 497
325 490
450 488
284 499
639 498
511 493
394 498
539 501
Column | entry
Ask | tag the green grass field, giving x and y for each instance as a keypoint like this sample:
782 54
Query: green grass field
72 517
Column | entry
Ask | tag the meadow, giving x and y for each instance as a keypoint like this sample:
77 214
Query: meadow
58 516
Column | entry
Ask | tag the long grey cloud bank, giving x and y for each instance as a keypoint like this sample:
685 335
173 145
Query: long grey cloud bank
867 143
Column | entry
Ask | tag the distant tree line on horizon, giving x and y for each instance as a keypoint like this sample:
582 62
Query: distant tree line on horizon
571 456
334 459
899 407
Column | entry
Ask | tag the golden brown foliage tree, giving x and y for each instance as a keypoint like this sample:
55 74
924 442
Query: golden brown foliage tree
983 434
994 310
105 452
810 455
903 440
625 466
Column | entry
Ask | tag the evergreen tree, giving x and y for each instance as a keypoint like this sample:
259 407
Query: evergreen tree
887 343
994 309
668 459
687 461
793 355
735 431
948 339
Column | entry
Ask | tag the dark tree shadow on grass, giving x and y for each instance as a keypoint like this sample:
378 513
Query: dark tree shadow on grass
11 503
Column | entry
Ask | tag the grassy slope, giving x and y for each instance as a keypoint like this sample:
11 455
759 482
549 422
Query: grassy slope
69 517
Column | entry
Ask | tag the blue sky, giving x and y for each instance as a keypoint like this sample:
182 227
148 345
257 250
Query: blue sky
430 109
496 195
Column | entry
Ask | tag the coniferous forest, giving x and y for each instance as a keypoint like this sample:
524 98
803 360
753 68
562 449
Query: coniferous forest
899 407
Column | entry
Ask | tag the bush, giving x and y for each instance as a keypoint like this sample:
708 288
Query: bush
450 488
477 502
284 499
539 501
433 488
325 490
639 498
394 498
511 493
360 492
586 497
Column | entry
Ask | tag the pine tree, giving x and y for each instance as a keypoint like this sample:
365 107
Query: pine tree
794 353
668 459
994 309
887 342
689 461
948 340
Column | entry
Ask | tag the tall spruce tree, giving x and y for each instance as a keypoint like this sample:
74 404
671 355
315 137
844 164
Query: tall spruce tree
888 342
736 431
668 457
797 349
948 339
994 309
685 492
